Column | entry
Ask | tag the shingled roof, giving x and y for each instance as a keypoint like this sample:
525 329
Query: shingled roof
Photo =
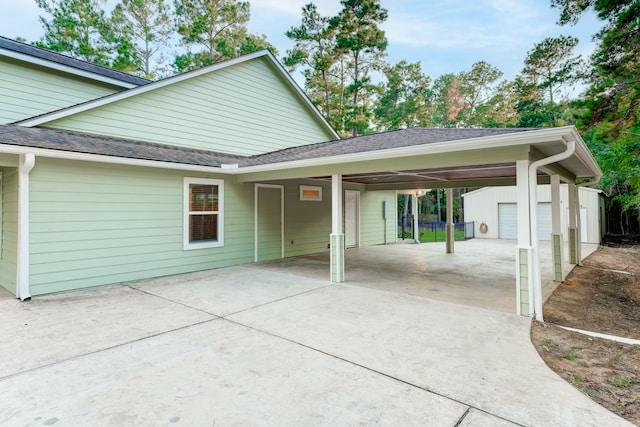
377 141
68 61
90 144
59 140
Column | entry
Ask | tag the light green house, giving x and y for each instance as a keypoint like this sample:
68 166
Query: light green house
225 165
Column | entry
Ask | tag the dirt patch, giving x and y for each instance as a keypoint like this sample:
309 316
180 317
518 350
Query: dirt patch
602 296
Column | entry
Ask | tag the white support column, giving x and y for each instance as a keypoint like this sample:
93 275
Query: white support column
450 237
337 235
573 231
556 230
524 273
414 210
578 228
26 163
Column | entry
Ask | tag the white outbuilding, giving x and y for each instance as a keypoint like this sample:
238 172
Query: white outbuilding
493 211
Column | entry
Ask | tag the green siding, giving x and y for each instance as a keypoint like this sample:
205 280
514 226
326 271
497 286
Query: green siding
374 229
269 223
243 109
27 90
9 231
307 223
94 224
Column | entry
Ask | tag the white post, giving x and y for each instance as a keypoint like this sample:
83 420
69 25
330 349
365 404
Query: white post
26 163
573 242
450 227
414 209
557 242
578 228
524 293
337 235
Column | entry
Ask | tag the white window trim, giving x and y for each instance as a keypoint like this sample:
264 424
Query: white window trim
317 198
186 245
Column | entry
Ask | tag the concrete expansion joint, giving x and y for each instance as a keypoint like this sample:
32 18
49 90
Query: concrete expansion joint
100 350
276 300
462 417
173 301
424 389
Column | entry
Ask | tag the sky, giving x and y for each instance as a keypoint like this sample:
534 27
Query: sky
445 36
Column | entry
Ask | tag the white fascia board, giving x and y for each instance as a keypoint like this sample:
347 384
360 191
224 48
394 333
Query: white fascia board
65 68
68 155
485 142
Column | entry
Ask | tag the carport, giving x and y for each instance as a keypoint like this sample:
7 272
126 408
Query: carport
419 158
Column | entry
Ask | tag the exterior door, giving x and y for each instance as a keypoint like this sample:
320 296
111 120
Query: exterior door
352 218
269 222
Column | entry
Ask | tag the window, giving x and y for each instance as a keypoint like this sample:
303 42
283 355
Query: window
308 192
203 213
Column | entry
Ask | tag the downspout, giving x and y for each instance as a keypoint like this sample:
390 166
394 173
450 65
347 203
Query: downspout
25 165
533 206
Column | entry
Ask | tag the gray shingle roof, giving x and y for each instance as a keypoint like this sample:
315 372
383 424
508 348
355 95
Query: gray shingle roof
68 61
378 141
90 144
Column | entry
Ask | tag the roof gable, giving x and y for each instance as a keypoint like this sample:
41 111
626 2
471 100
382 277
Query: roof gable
248 105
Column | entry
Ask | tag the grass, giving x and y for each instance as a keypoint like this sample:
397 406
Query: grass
570 356
432 236
548 342
621 382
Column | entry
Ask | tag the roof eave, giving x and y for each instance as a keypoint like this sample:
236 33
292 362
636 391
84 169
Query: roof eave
484 142
101 158
65 68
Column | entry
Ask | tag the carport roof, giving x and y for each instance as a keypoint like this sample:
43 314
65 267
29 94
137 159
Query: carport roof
373 142
401 159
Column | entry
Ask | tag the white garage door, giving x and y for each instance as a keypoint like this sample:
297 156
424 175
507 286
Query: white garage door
508 221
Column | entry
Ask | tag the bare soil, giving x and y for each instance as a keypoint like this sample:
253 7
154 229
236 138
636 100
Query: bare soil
602 295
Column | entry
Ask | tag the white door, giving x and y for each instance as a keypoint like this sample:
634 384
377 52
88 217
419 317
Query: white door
269 222
351 218
508 221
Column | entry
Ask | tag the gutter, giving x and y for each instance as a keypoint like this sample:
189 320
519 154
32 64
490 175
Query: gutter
26 164
533 206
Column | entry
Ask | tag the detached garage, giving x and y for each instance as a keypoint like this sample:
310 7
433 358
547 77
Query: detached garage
494 212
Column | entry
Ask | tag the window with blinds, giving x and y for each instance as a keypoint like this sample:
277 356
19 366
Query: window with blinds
203 213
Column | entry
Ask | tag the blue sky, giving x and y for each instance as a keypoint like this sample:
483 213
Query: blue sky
444 35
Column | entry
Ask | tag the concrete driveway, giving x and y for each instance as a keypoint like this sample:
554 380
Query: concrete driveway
253 346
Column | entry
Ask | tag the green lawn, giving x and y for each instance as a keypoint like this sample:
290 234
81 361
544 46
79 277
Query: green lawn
431 236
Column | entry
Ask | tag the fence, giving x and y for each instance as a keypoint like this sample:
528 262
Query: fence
435 231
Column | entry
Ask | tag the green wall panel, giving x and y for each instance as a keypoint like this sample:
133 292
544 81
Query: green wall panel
374 229
27 90
243 109
94 224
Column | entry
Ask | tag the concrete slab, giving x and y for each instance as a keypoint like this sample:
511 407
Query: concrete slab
227 290
56 327
290 350
216 373
480 357
475 418
481 272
